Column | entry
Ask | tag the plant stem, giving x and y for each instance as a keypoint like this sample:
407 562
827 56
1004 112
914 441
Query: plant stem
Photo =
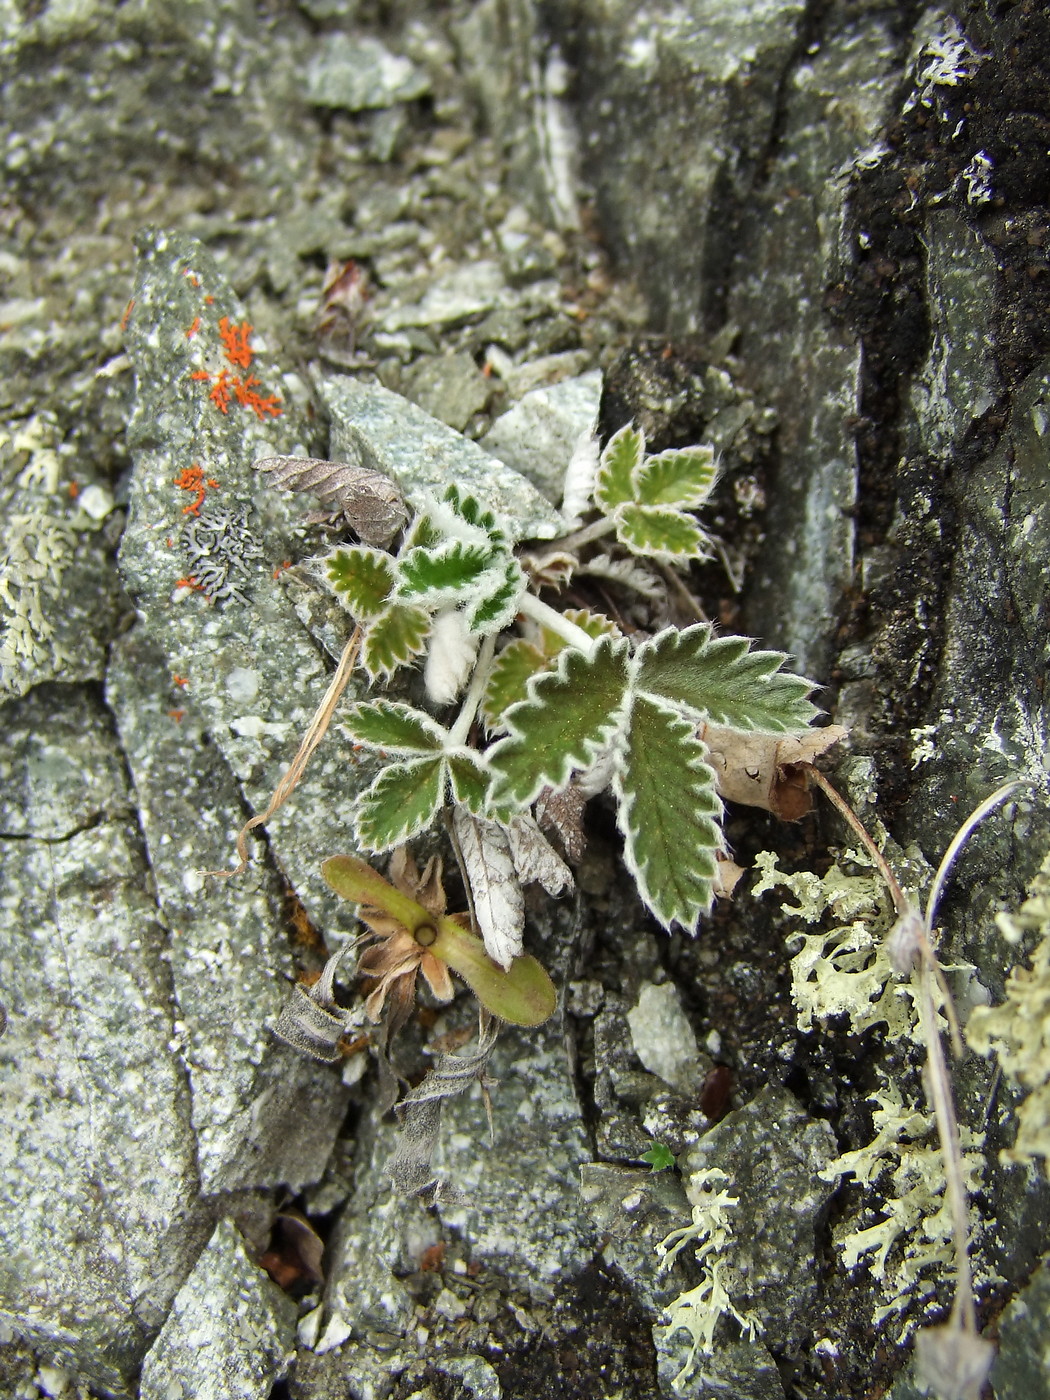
578 538
457 735
546 616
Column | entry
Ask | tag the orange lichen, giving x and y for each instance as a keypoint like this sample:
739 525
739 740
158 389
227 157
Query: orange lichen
220 394
181 681
235 339
194 328
127 314
284 564
193 479
177 715
201 374
247 396
74 490
191 583
191 278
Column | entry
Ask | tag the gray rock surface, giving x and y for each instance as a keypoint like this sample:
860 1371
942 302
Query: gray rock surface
771 1152
229 1333
1022 1368
103 1216
854 321
538 434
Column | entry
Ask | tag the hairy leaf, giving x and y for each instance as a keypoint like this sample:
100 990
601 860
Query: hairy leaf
683 476
569 716
468 509
659 532
498 900
421 534
393 727
623 454
720 679
451 657
627 573
363 579
509 677
396 636
498 609
441 574
403 801
668 813
594 624
470 781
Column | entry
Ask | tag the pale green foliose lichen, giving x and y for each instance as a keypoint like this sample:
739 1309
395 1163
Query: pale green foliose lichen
1018 1030
844 969
910 1248
700 1310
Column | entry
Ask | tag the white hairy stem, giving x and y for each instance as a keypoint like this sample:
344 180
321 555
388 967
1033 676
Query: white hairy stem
457 735
547 616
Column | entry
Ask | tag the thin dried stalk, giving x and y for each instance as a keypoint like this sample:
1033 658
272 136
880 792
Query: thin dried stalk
313 736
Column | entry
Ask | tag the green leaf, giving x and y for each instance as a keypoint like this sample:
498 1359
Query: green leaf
441 574
660 532
668 813
516 664
570 715
468 509
499 608
682 476
403 801
623 454
594 624
393 727
659 1157
721 680
523 994
423 534
396 636
470 781
363 579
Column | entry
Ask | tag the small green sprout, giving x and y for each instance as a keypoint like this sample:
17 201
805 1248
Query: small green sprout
659 1157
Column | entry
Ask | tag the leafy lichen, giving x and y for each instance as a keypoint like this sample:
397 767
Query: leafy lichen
1018 1030
700 1310
911 1245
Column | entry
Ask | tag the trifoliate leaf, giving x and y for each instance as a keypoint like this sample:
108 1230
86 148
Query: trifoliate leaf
681 477
393 727
470 781
668 813
362 578
499 903
397 635
509 677
403 800
660 532
721 680
569 716
623 454
497 610
443 573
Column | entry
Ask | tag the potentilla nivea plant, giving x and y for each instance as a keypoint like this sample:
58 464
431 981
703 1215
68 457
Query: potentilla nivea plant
554 700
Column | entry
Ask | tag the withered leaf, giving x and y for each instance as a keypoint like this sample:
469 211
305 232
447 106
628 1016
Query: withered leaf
765 770
357 492
420 1115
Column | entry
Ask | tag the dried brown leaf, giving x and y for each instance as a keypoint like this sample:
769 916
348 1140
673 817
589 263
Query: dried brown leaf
357 492
767 771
